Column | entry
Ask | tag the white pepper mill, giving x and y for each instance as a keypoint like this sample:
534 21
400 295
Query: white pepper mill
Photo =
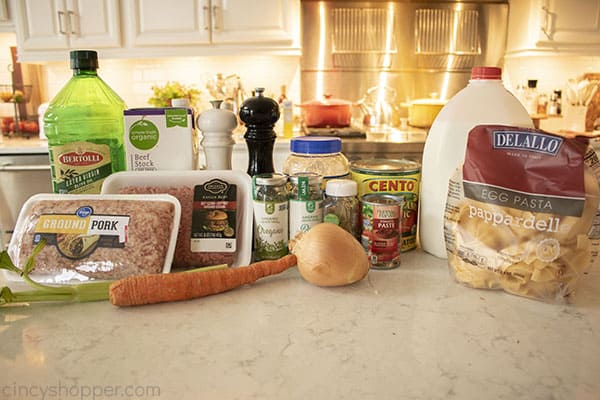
217 127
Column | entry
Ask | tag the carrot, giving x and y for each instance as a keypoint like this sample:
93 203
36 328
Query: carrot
160 288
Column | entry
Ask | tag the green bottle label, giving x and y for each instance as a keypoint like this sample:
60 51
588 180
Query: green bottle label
176 117
80 167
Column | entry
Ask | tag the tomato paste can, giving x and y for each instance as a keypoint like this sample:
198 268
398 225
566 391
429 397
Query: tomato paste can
396 177
381 224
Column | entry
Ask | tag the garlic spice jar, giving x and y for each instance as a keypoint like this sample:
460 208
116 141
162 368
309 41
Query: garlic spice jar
341 206
318 154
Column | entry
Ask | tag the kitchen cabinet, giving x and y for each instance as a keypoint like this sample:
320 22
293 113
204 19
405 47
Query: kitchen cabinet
554 26
65 24
6 11
46 29
156 22
205 22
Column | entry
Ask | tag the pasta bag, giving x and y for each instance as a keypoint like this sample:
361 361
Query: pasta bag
522 212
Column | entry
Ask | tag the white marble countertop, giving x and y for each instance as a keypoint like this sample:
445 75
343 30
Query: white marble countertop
408 333
21 145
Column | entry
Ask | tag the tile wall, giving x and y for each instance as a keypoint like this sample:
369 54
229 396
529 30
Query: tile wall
132 79
551 72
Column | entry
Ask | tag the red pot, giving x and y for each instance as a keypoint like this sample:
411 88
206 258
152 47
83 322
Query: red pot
327 113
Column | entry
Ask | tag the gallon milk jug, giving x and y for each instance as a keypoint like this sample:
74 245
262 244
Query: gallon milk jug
483 101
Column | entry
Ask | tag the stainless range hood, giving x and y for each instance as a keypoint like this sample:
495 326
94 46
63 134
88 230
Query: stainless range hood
420 49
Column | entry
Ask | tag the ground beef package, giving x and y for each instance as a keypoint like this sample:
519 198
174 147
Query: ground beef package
522 213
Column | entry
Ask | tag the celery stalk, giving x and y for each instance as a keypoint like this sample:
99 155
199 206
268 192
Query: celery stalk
84 292
93 291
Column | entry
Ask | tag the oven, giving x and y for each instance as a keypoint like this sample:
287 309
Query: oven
21 176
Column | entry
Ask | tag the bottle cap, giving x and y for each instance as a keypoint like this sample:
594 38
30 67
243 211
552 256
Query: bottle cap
316 145
341 187
486 73
84 59
532 83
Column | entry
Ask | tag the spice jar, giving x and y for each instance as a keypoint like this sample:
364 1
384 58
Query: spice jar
340 206
306 202
270 201
319 154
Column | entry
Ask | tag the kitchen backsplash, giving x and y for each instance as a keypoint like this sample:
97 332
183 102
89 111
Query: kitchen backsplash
551 71
133 79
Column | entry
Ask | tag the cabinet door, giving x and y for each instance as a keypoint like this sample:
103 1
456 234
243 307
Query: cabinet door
171 23
259 21
94 23
41 25
569 22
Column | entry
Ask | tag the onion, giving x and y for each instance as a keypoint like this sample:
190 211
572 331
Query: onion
329 256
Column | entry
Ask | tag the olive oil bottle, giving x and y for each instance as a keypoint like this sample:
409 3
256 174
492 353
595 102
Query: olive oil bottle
84 126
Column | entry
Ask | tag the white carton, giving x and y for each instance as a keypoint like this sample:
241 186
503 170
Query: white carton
159 139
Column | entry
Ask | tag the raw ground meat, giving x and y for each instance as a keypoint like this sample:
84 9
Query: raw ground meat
184 257
149 230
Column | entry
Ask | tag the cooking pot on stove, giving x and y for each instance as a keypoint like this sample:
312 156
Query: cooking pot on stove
422 112
327 113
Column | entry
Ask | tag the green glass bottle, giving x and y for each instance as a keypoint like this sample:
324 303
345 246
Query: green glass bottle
84 126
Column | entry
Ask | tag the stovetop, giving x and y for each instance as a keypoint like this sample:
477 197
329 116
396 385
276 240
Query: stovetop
345 132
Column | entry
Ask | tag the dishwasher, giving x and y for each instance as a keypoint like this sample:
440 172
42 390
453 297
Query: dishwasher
21 176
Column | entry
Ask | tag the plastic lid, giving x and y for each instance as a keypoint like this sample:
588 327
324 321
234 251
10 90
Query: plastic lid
341 187
84 59
316 145
180 102
486 73
270 179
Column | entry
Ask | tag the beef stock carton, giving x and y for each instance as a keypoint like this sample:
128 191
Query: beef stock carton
159 139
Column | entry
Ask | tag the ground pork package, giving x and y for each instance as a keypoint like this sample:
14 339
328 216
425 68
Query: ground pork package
522 213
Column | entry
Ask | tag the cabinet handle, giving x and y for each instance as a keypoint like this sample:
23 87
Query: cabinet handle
206 17
215 11
72 22
61 19
547 22
7 167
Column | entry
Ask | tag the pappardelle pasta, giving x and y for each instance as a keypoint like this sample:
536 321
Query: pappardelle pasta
530 227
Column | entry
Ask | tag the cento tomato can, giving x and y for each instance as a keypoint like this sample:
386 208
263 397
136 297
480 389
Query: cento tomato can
396 177
381 220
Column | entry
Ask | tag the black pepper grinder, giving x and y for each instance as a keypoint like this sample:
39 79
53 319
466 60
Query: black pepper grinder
260 114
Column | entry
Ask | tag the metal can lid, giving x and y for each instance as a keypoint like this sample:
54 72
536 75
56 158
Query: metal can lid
341 188
382 198
270 179
316 145
382 165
